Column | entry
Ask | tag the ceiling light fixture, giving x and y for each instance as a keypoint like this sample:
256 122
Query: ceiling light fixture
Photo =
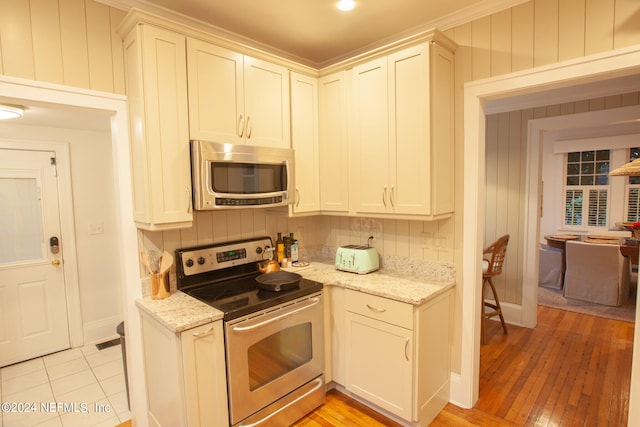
10 111
345 5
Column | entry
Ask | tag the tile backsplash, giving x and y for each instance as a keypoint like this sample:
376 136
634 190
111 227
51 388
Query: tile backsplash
402 244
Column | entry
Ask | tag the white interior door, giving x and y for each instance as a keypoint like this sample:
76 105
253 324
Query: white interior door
33 308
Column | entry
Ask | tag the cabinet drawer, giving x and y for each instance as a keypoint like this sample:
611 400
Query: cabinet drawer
384 309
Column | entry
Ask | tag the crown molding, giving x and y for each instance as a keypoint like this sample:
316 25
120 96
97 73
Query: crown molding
460 17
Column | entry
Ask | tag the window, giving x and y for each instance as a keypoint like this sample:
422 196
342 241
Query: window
632 209
587 188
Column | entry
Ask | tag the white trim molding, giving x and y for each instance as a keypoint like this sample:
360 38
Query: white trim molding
617 64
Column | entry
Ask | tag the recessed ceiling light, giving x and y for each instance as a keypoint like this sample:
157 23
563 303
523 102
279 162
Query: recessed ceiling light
346 4
10 112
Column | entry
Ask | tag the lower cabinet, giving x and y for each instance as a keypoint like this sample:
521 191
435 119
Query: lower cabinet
185 375
397 356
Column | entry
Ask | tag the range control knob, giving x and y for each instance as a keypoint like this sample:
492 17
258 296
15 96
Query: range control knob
189 262
258 250
201 260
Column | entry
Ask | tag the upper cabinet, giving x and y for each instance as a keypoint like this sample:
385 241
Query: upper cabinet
401 139
304 136
236 98
334 156
156 77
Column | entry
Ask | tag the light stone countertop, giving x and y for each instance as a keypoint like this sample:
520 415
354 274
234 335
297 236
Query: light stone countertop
415 290
180 311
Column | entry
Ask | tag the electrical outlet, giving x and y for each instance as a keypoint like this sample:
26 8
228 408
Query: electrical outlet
440 241
427 239
96 228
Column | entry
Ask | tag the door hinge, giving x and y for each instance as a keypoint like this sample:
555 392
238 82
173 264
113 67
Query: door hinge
54 164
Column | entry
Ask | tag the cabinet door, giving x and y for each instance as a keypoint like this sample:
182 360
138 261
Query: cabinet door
163 376
216 93
266 104
409 155
205 375
165 139
379 363
442 133
304 139
369 152
334 149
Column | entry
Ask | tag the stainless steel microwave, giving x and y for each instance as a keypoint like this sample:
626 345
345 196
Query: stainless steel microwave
233 176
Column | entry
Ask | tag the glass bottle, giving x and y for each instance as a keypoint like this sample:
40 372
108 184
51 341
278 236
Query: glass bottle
280 247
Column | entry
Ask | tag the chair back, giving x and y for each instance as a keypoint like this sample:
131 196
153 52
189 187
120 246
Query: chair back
498 250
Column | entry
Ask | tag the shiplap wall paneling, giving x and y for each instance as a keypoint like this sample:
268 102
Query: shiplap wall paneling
16 39
522 31
571 32
545 32
67 42
99 47
75 59
46 41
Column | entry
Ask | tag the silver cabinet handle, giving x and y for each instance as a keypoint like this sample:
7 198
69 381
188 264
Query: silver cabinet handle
297 197
384 196
406 347
240 129
189 201
376 309
203 334
248 127
392 195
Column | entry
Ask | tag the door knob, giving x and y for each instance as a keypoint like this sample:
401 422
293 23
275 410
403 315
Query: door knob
55 262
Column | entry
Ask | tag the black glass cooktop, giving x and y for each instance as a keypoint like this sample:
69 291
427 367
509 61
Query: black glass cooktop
239 297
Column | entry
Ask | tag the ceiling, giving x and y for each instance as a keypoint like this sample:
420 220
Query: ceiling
315 32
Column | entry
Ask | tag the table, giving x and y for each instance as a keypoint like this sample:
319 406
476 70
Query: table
631 252
560 240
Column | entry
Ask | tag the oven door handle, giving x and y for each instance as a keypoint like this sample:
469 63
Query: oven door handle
312 302
315 384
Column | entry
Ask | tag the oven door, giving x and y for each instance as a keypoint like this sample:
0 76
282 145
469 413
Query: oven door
272 353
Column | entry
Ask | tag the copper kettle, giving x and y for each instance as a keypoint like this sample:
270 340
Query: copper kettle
269 266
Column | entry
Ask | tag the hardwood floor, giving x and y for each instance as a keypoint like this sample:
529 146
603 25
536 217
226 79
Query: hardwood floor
571 370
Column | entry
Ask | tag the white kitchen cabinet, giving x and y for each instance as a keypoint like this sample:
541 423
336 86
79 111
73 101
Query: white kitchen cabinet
156 78
380 351
334 151
185 375
397 355
304 140
236 98
401 141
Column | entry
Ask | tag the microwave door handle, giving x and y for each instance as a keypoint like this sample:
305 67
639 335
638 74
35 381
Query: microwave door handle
289 173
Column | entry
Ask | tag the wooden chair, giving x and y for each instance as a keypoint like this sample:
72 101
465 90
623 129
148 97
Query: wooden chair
491 268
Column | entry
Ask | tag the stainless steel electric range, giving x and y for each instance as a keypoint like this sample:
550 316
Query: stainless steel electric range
273 339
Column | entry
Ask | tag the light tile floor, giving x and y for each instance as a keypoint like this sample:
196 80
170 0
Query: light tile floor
78 387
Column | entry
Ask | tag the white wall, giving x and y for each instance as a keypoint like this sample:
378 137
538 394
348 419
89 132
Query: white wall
93 203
